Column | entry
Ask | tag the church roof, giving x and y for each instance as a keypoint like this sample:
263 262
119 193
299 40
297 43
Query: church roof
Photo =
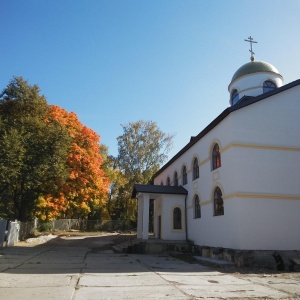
158 189
254 67
245 101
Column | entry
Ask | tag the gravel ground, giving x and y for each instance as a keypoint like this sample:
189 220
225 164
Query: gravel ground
39 240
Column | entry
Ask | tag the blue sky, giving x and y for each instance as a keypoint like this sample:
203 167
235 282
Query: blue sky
118 61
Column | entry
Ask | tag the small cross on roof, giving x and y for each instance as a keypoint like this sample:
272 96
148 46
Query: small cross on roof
251 41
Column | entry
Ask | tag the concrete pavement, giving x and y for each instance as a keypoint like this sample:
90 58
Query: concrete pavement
85 268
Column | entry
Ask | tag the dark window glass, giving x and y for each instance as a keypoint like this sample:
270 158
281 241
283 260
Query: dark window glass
216 157
184 175
161 183
269 86
177 218
234 97
197 207
168 181
218 202
195 169
175 179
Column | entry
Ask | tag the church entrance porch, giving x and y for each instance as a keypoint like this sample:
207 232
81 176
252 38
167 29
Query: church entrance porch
169 213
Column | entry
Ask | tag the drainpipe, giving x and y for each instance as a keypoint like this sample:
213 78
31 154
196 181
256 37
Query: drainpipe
186 228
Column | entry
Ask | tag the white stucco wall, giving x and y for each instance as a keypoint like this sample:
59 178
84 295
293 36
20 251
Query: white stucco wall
259 178
167 203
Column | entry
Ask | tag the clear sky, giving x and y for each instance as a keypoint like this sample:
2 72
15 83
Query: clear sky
170 61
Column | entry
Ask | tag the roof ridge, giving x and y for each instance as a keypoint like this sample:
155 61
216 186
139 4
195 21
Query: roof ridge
223 115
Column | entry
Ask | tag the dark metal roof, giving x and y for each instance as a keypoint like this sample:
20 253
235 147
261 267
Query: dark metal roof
158 189
245 101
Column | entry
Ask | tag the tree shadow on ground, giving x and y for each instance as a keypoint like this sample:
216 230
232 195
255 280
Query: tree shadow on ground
69 254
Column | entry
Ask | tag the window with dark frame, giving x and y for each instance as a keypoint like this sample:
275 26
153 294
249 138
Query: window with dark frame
218 202
269 86
197 207
184 175
195 169
175 179
234 97
216 157
177 218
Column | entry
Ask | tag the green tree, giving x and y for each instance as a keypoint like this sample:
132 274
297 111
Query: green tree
142 148
114 205
33 150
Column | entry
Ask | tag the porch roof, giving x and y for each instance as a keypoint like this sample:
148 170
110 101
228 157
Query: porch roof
158 189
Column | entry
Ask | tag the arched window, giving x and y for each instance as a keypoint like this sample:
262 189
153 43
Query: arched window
197 208
175 179
234 97
161 183
168 181
216 157
218 202
269 86
195 169
184 175
177 218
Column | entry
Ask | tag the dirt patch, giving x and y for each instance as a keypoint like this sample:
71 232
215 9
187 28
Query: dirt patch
61 238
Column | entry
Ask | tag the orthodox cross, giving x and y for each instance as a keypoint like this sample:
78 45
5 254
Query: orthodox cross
250 40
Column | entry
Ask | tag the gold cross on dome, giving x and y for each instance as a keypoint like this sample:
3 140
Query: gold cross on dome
251 41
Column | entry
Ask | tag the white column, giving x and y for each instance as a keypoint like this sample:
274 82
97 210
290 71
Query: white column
145 216
140 218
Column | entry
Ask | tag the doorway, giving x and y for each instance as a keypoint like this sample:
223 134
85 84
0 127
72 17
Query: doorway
159 227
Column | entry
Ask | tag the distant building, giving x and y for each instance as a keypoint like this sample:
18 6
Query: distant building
236 184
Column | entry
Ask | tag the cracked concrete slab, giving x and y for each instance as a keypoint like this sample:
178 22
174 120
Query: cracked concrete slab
132 279
228 291
37 293
34 280
77 269
135 292
203 279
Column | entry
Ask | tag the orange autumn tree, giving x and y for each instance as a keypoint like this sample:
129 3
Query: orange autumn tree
84 193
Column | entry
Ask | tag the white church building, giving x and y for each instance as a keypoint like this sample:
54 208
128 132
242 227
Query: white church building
237 183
